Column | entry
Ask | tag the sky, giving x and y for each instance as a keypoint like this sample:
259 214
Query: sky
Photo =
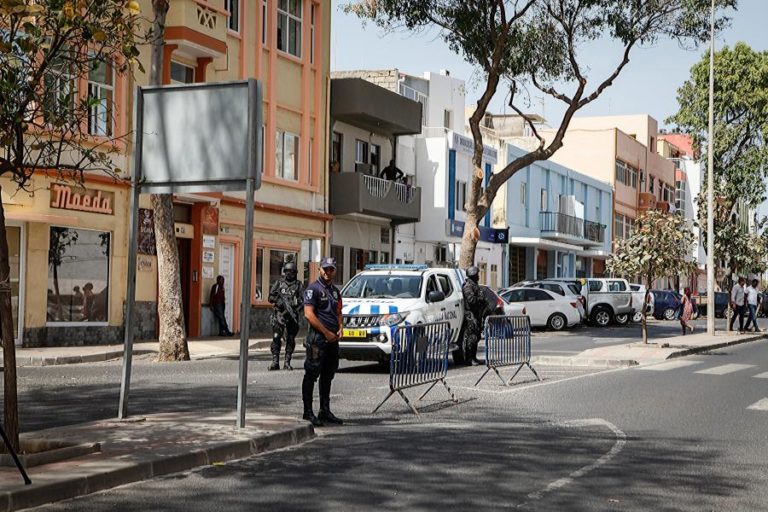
648 85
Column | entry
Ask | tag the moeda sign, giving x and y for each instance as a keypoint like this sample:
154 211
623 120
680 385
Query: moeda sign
92 201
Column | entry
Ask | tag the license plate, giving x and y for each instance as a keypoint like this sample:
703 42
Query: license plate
354 333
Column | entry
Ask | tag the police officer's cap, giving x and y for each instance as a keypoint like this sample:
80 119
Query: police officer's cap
328 263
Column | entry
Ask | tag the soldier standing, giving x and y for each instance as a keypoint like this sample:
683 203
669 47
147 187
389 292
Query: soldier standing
475 305
286 296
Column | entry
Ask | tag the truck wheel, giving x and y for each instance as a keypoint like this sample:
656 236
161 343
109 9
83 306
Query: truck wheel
638 317
669 314
557 322
622 319
601 316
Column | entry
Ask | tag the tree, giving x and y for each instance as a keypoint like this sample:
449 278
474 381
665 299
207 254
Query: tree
172 336
536 44
740 150
659 246
45 121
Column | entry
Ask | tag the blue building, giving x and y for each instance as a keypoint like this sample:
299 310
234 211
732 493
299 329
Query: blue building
559 222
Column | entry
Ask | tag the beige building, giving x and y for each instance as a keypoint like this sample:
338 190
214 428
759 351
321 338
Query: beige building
620 150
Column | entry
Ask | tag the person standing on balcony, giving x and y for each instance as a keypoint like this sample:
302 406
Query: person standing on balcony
391 172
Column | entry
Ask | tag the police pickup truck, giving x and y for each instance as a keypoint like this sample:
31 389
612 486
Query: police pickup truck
382 297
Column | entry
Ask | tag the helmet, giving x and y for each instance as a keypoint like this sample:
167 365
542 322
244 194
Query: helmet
290 271
473 273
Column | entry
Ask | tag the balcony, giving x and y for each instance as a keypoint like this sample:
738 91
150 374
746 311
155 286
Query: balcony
570 229
353 192
198 28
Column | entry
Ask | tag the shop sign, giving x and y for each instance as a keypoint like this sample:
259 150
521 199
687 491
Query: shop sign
455 229
147 232
144 264
465 145
63 197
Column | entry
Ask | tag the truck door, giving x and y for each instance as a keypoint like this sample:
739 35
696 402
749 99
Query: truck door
453 307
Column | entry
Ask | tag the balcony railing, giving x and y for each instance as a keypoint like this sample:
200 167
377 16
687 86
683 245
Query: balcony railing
354 192
569 228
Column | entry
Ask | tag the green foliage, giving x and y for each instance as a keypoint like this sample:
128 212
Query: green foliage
741 119
660 246
46 46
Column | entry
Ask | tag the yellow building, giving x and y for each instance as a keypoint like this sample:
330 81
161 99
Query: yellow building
72 241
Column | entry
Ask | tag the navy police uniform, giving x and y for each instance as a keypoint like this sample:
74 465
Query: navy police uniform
322 359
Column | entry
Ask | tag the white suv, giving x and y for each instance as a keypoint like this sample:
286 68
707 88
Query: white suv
379 299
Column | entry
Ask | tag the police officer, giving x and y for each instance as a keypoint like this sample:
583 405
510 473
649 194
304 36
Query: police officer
286 296
475 306
322 309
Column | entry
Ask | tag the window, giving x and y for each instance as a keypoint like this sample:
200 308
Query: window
337 147
445 284
432 285
286 161
264 22
182 74
59 95
532 294
544 200
337 252
258 275
413 94
385 238
461 195
312 33
617 286
375 158
556 288
595 286
447 118
289 26
361 152
626 174
101 93
618 226
309 160
233 6
651 184
78 275
514 296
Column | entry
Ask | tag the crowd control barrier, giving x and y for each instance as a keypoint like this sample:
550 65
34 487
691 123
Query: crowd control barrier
507 343
419 357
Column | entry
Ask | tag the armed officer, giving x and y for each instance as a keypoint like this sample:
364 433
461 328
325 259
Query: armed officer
322 309
475 306
286 296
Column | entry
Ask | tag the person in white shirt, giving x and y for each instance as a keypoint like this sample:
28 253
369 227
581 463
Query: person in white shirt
738 297
752 298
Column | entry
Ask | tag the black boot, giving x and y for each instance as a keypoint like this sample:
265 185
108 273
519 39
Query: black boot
310 417
275 362
328 417
287 363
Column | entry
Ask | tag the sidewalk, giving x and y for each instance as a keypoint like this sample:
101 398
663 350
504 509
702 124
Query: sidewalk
144 448
201 348
657 350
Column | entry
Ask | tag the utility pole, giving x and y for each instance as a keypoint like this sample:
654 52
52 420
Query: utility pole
710 183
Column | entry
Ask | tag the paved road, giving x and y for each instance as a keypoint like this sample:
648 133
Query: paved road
687 434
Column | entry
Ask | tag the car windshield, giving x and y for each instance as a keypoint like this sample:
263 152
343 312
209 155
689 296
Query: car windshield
383 286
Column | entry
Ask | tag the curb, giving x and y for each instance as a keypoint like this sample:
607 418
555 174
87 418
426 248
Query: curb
583 362
696 350
35 495
89 358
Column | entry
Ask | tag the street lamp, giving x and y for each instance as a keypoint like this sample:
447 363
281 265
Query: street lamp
710 183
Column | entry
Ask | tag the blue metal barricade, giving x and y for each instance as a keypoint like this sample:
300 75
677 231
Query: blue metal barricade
419 357
507 343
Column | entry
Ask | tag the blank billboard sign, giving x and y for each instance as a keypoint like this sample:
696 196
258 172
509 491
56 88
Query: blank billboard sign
201 137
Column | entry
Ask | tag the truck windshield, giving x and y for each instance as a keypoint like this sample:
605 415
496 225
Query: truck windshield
382 286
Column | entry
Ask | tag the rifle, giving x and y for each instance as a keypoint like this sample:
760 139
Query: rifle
286 308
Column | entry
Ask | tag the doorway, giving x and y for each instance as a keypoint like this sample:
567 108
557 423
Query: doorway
227 271
185 260
15 236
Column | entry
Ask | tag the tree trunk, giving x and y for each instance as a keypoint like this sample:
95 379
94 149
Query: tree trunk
170 309
469 241
10 399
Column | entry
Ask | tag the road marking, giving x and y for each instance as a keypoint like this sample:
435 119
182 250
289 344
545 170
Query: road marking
621 440
671 365
601 341
725 369
760 405
761 375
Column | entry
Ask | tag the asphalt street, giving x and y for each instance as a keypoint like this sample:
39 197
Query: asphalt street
688 434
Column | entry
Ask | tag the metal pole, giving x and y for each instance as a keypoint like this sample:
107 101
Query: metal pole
710 183
133 228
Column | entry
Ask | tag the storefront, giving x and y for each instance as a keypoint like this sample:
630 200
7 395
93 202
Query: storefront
67 251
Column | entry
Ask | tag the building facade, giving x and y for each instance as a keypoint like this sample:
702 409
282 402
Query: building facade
71 240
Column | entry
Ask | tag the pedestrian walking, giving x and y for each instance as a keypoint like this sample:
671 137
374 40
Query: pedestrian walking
286 297
322 309
475 306
738 298
752 301
217 303
686 311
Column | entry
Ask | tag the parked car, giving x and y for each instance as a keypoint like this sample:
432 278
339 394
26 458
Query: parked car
545 308
638 299
609 300
565 289
501 306
721 304
666 304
